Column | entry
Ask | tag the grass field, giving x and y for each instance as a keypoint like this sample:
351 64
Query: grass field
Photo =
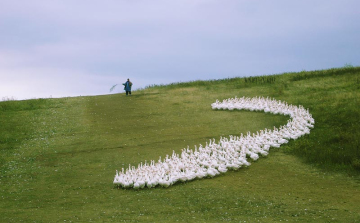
59 156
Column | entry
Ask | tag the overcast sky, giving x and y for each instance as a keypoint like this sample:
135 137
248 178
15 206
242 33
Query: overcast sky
62 48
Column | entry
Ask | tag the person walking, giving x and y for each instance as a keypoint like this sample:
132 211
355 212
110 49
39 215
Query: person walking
127 86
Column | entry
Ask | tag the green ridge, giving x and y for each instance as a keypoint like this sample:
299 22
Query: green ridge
59 156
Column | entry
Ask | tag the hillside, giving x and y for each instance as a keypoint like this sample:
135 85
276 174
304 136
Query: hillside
59 156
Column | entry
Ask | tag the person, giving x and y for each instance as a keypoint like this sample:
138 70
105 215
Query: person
127 86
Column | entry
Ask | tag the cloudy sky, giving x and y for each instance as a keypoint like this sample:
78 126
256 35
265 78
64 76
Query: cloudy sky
62 48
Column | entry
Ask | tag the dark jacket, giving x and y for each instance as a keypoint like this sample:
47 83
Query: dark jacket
127 86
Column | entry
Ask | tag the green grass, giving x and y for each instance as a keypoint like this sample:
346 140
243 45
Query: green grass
59 156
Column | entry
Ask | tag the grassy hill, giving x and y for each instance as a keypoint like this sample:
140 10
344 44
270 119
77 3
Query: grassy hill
59 156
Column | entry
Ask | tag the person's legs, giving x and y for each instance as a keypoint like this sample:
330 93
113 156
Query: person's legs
127 92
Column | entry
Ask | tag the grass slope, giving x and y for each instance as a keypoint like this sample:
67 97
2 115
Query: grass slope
59 156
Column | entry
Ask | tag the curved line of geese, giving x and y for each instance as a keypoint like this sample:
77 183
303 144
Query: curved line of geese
218 157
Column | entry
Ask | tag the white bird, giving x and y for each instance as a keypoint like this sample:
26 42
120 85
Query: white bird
229 153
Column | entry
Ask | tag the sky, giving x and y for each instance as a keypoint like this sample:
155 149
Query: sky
66 48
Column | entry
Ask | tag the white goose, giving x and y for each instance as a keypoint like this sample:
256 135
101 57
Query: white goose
229 153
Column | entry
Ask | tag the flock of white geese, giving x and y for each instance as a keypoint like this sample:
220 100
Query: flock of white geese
218 157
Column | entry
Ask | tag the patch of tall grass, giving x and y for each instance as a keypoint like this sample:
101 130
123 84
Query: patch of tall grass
231 82
305 75
333 98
